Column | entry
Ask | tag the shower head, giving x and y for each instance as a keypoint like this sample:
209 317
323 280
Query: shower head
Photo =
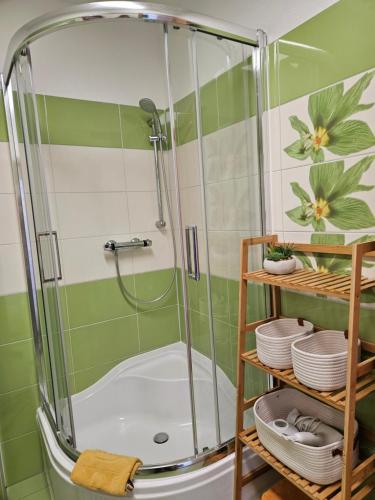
148 105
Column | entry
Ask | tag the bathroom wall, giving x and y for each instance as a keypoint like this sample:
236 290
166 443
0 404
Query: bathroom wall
322 144
339 52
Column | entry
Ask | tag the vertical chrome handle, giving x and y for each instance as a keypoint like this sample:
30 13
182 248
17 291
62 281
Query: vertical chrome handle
193 274
57 251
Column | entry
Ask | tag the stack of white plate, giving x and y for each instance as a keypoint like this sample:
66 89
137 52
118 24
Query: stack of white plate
274 341
319 360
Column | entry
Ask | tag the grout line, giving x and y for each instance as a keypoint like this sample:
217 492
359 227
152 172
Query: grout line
19 437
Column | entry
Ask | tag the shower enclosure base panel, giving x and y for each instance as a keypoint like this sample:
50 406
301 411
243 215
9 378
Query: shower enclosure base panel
148 394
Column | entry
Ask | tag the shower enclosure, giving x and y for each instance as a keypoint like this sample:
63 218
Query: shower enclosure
89 173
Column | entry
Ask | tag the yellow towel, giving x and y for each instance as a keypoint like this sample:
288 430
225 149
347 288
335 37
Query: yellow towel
101 471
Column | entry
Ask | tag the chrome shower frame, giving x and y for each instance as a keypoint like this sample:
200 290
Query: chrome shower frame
168 16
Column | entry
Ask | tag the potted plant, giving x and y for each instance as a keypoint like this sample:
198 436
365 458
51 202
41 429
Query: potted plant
279 259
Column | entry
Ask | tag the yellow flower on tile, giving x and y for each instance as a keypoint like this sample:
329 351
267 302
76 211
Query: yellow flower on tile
320 138
321 208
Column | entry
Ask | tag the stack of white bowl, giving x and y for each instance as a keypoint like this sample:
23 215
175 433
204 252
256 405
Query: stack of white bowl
274 341
319 360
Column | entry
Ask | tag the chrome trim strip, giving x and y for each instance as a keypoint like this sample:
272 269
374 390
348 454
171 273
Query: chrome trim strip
98 11
205 235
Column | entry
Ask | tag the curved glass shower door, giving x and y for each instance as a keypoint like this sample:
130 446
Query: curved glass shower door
41 248
213 90
131 369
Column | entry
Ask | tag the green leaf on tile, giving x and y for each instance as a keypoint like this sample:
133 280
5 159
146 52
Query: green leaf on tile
330 184
329 111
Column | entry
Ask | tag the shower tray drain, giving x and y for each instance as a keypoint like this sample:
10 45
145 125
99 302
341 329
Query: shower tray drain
161 438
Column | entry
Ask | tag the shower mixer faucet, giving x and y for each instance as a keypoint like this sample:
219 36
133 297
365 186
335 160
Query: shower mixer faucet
112 245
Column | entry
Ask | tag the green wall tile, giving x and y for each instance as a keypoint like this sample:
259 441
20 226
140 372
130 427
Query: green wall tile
14 318
31 486
335 44
209 107
42 114
104 342
17 412
17 368
222 337
96 301
3 125
85 378
231 96
220 298
326 313
22 458
135 129
39 495
185 118
158 328
83 123
151 284
197 294
199 326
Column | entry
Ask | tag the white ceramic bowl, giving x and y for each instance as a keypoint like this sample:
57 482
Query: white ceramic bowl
319 360
280 266
274 341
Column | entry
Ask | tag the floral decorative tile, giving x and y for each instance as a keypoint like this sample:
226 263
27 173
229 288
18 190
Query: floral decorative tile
335 122
333 196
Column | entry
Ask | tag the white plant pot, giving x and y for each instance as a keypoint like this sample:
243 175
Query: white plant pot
280 266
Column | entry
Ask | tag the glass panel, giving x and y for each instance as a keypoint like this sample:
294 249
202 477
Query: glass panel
28 240
228 114
183 82
46 246
213 88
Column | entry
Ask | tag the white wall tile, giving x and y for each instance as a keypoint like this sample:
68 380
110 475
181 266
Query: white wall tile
188 164
158 256
6 184
84 259
8 219
143 211
92 214
12 274
140 169
87 169
192 206
276 201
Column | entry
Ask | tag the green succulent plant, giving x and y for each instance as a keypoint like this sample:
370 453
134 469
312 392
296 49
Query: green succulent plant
331 185
329 111
283 251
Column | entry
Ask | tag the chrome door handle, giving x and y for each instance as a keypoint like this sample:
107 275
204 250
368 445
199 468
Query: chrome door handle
193 274
57 253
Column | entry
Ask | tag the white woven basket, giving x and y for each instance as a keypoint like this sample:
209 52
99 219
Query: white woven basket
321 465
274 341
319 360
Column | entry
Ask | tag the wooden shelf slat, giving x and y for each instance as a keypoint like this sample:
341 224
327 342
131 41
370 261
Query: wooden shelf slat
361 472
336 399
334 285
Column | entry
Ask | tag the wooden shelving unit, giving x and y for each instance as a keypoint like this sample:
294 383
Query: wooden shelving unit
356 483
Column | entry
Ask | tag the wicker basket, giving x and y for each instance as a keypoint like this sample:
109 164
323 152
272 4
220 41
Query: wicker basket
321 465
319 360
274 341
